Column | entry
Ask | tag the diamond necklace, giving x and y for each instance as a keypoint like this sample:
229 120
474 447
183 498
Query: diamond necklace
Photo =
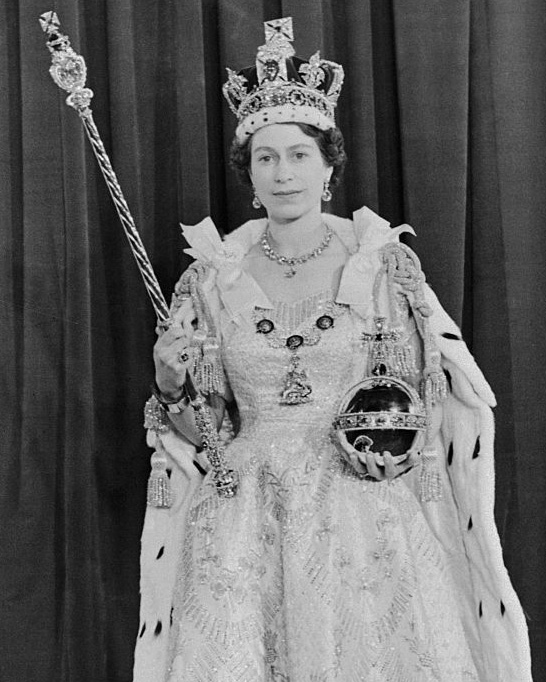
297 260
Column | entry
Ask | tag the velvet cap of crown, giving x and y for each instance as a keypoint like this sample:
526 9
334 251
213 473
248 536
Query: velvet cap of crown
282 88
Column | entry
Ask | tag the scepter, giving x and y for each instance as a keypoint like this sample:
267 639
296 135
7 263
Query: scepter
69 71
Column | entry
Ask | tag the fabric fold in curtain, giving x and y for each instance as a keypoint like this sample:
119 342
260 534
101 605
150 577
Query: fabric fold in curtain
444 114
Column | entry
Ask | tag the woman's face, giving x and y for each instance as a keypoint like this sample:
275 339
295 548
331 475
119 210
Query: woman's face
287 171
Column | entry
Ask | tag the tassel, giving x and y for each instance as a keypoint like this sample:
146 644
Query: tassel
405 360
208 371
434 380
159 485
155 417
430 484
436 386
211 368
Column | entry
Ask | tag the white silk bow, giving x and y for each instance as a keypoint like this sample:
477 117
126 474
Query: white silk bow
239 292
373 232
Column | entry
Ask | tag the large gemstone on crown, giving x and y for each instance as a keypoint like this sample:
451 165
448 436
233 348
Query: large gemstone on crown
380 413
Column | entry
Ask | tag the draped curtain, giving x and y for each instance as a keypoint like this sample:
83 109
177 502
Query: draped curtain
444 113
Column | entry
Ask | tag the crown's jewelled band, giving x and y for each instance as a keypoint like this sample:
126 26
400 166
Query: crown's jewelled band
380 420
290 93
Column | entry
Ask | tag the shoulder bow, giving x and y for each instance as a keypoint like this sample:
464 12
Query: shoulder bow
239 292
372 233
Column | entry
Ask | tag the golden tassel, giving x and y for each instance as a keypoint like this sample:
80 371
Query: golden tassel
159 486
430 483
211 372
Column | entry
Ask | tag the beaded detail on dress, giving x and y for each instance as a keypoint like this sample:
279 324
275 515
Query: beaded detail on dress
309 574
291 316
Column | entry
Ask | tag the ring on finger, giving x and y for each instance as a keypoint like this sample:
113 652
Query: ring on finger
183 356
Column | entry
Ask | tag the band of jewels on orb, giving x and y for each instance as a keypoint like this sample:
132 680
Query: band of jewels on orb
380 420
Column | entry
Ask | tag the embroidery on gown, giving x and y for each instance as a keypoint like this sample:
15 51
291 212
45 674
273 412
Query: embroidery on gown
291 316
309 574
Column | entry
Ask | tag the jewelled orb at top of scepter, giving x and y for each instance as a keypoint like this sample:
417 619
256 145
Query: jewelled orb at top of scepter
68 69
282 88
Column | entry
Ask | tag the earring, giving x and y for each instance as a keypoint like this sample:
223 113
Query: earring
326 193
256 203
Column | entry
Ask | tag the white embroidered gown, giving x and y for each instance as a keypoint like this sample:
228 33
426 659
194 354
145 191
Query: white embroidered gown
309 574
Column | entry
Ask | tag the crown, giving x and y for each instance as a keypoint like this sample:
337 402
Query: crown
282 88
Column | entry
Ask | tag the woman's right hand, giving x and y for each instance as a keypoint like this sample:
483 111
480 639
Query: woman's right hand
171 357
172 352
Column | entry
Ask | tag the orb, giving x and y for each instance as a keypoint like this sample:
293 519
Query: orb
380 414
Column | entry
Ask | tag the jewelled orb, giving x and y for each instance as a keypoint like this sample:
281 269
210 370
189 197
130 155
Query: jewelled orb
377 415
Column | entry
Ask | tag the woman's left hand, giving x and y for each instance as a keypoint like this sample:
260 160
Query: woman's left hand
390 467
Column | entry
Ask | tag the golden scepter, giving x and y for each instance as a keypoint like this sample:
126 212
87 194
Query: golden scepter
69 72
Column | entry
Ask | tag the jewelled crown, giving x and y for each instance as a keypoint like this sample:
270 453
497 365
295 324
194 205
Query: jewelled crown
282 88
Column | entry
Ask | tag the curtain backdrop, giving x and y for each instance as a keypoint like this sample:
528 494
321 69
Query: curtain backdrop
444 112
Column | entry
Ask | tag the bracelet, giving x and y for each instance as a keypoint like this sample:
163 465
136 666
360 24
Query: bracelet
175 406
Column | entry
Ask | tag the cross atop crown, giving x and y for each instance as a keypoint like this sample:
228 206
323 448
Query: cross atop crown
279 27
271 57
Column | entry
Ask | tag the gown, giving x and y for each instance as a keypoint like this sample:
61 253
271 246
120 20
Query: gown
311 574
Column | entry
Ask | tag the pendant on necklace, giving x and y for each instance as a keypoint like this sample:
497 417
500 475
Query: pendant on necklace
297 389
291 272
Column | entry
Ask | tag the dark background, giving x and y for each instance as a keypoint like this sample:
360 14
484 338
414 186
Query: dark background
444 114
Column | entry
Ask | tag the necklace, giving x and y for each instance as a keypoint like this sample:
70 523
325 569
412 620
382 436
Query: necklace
296 386
296 260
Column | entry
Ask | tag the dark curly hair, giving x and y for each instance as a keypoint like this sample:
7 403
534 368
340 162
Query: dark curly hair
330 142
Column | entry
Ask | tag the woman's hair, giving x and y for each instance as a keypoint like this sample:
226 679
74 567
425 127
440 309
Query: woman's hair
330 142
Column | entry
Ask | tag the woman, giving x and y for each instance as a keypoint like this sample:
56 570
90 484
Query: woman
330 562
